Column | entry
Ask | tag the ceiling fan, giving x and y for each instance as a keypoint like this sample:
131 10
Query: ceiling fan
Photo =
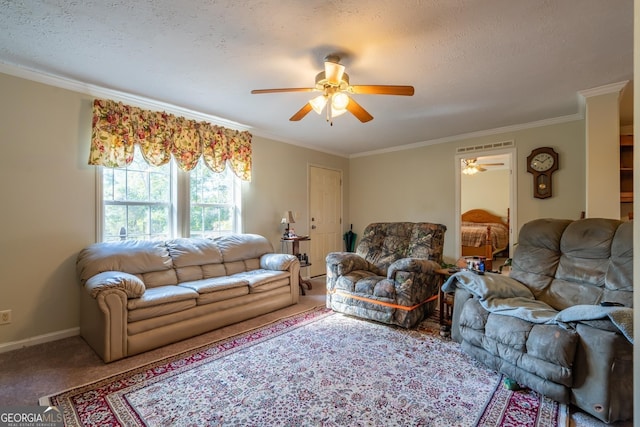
471 166
333 83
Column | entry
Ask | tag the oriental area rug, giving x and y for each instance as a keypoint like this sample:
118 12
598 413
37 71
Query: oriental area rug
317 368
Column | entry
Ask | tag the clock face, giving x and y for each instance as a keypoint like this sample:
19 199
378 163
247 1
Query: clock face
542 162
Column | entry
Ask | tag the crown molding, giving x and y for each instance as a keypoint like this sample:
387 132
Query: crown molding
597 91
478 134
127 98
604 90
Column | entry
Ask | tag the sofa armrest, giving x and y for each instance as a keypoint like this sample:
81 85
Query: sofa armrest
132 286
412 265
461 296
603 374
341 263
278 262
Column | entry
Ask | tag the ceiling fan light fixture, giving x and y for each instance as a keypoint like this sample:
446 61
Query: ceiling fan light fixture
335 112
470 170
333 72
339 101
318 103
333 83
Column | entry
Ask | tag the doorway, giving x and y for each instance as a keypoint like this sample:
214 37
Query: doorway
491 188
325 216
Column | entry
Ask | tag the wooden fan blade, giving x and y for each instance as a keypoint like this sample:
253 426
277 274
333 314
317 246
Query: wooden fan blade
356 109
382 90
286 89
301 112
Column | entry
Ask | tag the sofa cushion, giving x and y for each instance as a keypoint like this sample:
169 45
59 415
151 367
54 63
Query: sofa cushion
235 267
586 248
238 247
155 311
349 282
386 242
251 264
260 277
193 251
162 295
427 241
130 256
383 243
546 351
566 262
216 284
153 279
222 295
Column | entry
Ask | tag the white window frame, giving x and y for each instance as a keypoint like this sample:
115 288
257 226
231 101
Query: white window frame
179 224
236 186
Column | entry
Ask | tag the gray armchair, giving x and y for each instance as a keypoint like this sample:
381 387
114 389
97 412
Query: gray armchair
391 277
561 323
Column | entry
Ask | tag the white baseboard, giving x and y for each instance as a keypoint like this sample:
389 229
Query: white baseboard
40 339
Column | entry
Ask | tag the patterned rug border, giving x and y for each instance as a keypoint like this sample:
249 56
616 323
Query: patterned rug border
496 408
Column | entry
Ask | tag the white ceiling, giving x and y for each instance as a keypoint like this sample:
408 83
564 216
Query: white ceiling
476 65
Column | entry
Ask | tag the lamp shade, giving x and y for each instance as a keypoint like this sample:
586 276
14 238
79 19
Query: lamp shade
333 72
288 218
339 101
318 103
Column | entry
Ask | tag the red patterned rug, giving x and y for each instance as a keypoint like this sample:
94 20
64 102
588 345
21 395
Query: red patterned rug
314 368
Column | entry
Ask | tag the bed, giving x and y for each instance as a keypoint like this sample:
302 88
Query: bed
483 234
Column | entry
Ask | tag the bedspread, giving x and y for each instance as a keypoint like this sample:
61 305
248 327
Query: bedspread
475 234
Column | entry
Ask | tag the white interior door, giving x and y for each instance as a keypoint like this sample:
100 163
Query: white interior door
325 210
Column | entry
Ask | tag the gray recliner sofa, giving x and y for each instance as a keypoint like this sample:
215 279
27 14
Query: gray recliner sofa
561 323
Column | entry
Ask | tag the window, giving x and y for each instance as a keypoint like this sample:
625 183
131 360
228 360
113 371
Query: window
147 202
213 201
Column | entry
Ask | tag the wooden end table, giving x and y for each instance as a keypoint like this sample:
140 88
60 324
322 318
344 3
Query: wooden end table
446 304
295 250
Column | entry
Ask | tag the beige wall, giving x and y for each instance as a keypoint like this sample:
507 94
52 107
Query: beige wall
602 139
48 202
419 184
48 205
474 190
280 183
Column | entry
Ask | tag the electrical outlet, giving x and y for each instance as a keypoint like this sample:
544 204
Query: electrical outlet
5 317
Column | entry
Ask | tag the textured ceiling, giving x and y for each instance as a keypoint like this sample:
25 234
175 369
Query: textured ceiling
475 64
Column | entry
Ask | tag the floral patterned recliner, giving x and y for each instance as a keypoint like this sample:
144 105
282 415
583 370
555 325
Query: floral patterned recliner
391 277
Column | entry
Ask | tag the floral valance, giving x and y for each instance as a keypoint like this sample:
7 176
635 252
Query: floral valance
117 127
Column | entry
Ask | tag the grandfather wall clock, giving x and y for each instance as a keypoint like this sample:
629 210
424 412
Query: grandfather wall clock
542 162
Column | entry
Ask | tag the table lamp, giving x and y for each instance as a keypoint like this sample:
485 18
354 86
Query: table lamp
288 219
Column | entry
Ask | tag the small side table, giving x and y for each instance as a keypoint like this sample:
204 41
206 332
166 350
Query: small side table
295 250
446 304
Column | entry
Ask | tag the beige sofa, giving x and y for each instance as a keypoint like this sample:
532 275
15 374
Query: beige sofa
142 295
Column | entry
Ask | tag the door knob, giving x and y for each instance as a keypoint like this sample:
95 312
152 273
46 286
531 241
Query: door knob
313 227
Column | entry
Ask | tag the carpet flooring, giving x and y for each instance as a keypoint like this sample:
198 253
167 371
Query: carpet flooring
310 369
31 372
